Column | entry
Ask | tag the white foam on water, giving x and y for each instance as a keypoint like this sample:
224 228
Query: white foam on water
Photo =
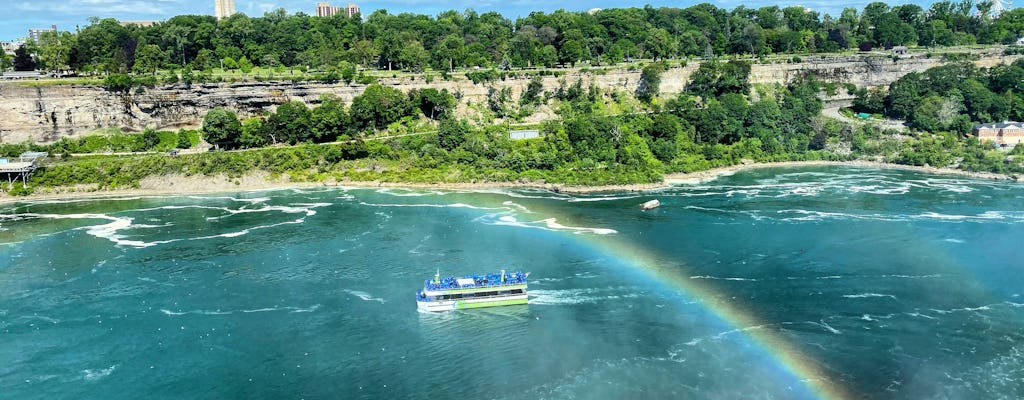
554 225
97 374
549 224
517 206
901 276
919 315
724 278
826 326
952 240
608 198
364 296
105 231
966 309
868 296
454 205
574 296
741 330
41 318
400 192
244 311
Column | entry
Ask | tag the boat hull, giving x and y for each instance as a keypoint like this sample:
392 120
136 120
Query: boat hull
461 304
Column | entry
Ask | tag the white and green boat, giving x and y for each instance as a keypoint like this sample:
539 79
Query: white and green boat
473 291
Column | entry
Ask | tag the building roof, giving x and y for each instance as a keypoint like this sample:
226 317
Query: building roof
524 134
1000 125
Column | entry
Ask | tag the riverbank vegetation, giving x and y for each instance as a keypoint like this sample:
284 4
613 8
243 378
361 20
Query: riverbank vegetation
595 137
719 120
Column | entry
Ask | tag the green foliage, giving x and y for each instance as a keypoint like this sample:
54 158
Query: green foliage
23 60
331 120
222 128
432 103
121 83
379 106
184 140
714 79
451 133
498 101
483 76
292 123
650 82
532 93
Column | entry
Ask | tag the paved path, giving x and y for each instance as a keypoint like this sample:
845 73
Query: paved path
833 112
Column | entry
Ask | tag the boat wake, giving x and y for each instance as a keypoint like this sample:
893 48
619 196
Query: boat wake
364 296
247 311
97 374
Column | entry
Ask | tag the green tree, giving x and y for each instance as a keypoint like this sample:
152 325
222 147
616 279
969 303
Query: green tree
5 62
434 104
55 50
348 71
659 44
222 128
253 134
230 63
548 56
292 123
150 139
148 59
331 120
245 65
451 133
451 48
184 141
650 82
532 92
413 56
23 61
379 106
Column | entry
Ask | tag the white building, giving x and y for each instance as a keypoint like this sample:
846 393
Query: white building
223 8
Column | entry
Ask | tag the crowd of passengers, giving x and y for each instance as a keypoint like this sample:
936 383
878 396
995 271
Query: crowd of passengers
512 278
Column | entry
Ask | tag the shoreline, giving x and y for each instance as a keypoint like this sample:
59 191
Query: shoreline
179 185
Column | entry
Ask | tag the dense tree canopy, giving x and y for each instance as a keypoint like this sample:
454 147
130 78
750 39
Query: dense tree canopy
951 97
454 39
221 128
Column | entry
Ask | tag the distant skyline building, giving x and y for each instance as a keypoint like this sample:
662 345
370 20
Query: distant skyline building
10 47
352 9
327 10
36 33
223 8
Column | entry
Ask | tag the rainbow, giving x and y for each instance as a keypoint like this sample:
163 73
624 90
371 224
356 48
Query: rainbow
789 361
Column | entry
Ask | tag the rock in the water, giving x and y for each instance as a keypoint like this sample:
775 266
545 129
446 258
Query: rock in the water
650 205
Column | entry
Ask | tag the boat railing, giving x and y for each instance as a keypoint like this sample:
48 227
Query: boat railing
428 299
436 286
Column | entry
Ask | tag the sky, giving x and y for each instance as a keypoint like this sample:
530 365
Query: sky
20 15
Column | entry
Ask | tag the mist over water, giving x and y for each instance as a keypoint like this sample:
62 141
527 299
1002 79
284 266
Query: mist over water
891 284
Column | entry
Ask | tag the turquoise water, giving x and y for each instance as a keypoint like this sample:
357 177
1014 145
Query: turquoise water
776 283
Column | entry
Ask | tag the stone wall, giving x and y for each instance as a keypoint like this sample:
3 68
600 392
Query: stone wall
45 114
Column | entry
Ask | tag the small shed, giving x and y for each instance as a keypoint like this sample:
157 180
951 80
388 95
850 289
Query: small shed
524 134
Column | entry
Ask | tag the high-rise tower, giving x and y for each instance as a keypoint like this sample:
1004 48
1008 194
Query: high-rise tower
223 8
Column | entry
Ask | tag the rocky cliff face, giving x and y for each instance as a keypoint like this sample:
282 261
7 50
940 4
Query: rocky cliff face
45 114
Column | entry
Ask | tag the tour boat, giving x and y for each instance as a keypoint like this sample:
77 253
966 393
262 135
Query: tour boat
472 291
